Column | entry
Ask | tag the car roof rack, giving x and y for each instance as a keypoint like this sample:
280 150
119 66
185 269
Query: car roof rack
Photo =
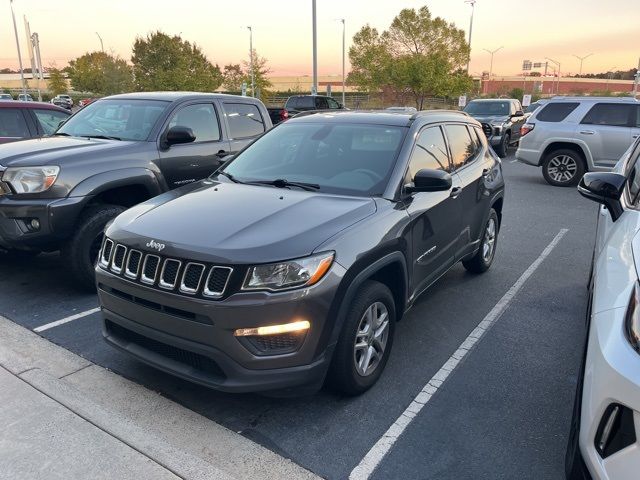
598 98
423 113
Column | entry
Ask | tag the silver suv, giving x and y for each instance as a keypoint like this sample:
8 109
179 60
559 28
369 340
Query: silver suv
572 135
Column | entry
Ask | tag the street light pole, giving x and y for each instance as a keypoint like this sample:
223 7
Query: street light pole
610 76
558 74
253 77
101 44
343 58
473 4
491 64
15 30
582 59
314 87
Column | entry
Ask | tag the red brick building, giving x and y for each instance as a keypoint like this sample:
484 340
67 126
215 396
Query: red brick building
551 86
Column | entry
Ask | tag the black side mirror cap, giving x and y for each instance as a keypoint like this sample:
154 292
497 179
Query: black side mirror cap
605 188
518 113
178 135
427 180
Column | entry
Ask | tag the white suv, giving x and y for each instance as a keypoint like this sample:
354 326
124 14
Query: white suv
603 443
572 135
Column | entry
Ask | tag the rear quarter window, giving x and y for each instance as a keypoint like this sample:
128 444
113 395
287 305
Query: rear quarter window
556 112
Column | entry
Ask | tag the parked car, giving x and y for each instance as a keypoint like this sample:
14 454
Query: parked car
534 106
278 114
86 101
5 96
573 135
295 260
63 101
60 192
19 121
303 103
401 109
501 120
25 97
603 440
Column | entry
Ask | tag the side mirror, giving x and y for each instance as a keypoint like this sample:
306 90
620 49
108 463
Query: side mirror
519 113
178 135
605 188
427 180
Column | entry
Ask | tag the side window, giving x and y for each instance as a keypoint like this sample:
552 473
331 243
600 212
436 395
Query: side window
633 177
201 118
244 120
306 102
321 103
49 119
638 116
556 112
292 103
430 152
12 123
462 148
611 114
333 104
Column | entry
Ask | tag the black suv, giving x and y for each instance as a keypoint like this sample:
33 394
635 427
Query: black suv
59 192
298 257
501 119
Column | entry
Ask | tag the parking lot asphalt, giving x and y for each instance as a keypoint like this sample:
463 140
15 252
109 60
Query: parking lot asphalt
504 412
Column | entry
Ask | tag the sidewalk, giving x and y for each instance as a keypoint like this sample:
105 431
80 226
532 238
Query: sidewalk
63 417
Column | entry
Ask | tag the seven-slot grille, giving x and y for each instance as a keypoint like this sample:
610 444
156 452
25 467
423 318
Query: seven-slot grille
190 278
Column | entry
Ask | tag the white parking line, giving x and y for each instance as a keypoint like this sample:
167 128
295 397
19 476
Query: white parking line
377 453
71 318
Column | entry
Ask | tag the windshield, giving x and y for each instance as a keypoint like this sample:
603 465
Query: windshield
350 159
488 108
123 119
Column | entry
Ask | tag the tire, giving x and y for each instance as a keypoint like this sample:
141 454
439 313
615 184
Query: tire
501 149
349 363
483 258
81 251
563 168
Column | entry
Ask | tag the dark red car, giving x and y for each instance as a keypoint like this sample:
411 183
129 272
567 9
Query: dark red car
22 120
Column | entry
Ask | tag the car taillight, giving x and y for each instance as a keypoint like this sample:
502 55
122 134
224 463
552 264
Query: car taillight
526 128
284 114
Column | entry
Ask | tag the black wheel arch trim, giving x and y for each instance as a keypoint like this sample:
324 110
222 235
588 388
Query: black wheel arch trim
105 181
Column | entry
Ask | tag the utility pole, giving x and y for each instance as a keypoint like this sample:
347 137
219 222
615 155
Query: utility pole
314 87
555 62
253 76
491 52
582 59
637 79
610 76
101 44
473 5
344 46
15 31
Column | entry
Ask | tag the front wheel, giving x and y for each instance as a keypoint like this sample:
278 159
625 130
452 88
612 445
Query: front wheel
502 149
483 258
365 343
563 168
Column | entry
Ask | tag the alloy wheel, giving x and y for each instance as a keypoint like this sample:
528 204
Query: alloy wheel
371 339
489 242
562 168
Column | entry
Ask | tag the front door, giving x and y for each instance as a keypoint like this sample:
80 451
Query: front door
435 216
190 162
606 128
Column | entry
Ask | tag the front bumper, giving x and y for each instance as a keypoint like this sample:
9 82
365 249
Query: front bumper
612 376
56 218
193 338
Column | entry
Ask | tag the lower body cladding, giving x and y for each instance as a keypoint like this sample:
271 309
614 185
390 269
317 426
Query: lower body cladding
610 417
197 339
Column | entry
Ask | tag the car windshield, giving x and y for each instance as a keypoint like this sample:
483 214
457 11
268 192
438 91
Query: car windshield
349 159
123 119
488 108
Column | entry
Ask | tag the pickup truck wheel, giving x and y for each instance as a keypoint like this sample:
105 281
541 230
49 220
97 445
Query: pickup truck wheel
563 168
483 258
365 343
81 252
501 149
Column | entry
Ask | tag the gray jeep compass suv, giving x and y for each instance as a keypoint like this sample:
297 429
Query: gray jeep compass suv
296 259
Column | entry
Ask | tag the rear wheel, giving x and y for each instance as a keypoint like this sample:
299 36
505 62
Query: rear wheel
81 252
483 258
563 168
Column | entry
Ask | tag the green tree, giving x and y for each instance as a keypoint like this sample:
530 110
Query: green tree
418 56
57 82
161 62
233 76
100 73
260 72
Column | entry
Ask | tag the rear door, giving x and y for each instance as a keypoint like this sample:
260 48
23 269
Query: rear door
244 123
635 127
606 129
435 216
13 125
48 120
187 163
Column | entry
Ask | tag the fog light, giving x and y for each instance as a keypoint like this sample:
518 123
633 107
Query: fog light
35 224
299 326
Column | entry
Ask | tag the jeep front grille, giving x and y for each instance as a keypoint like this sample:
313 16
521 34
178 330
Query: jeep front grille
169 274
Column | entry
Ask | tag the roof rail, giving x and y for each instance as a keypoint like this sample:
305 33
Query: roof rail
422 113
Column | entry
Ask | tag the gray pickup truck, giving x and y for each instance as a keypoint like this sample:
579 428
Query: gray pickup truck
501 119
59 192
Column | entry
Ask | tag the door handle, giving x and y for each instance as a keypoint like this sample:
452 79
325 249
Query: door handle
455 191
587 132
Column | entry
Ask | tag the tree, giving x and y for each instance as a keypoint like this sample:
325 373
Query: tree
418 56
57 83
260 72
233 77
100 73
161 62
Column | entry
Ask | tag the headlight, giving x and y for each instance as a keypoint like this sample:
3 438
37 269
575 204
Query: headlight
497 126
632 319
31 179
302 272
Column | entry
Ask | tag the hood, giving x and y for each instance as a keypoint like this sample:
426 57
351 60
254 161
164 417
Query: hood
232 223
50 150
491 118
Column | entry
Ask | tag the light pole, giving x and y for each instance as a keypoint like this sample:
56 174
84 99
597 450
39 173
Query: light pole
15 30
582 59
610 76
314 87
558 75
473 5
491 64
253 77
344 28
101 45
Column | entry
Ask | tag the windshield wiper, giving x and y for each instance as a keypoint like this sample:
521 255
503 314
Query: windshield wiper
104 137
283 183
230 177
62 134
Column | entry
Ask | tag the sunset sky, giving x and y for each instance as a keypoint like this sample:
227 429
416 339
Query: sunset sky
282 29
